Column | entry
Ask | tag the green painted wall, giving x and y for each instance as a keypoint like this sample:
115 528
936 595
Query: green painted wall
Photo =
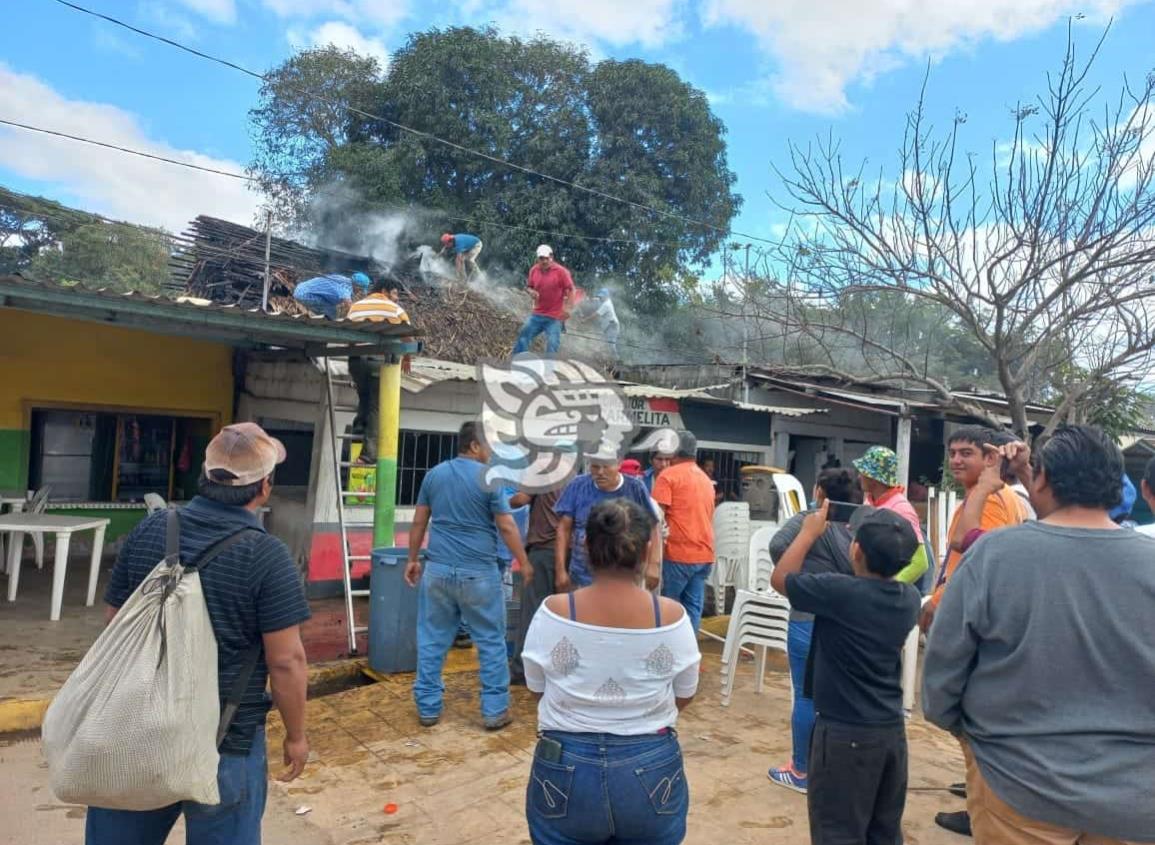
14 445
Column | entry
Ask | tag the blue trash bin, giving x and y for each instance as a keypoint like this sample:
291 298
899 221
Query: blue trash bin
392 613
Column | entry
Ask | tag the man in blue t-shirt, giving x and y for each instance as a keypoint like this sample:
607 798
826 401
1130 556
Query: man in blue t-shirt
463 247
324 295
604 481
461 580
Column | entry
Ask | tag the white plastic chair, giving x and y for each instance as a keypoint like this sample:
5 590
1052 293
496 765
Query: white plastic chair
910 667
757 619
39 504
791 496
154 502
759 566
731 548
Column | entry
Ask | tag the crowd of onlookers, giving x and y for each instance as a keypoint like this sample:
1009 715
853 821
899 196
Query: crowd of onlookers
1040 648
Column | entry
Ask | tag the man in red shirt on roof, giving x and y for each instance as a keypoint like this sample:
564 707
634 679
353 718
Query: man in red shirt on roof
551 287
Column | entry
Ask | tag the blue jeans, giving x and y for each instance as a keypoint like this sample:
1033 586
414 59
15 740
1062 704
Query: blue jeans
243 785
628 790
535 325
686 583
802 718
446 597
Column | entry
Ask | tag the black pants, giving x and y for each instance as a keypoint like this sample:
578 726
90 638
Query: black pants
856 789
532 595
366 375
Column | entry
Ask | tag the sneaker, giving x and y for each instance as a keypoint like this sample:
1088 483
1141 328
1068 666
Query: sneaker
496 723
958 790
429 721
959 822
788 778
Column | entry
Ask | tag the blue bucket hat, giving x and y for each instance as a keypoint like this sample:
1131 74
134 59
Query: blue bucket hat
1124 507
603 293
361 280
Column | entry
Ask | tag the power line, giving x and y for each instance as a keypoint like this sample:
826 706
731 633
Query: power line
127 150
246 177
416 132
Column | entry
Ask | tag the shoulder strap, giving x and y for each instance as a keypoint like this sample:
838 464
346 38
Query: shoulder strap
172 537
572 607
237 692
657 611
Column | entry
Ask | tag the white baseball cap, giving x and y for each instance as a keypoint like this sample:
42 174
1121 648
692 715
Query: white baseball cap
545 251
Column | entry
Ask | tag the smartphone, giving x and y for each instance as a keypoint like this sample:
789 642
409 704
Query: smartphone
548 750
841 511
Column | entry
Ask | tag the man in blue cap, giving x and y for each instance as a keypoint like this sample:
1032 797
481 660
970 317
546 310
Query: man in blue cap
324 294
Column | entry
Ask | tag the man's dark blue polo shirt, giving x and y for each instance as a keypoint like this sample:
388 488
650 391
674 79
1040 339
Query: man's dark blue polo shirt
252 588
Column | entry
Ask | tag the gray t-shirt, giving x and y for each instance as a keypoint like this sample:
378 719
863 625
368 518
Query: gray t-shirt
830 554
1042 654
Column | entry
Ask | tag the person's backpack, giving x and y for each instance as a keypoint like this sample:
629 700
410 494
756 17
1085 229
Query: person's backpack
137 725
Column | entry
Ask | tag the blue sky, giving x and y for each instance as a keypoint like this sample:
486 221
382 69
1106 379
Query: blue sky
776 71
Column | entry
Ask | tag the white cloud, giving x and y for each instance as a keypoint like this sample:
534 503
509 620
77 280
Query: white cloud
112 183
382 14
822 46
344 36
650 23
220 11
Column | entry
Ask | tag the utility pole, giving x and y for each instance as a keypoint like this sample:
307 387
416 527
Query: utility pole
746 330
268 245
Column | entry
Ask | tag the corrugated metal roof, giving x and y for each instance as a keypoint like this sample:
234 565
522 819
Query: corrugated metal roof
189 315
777 409
649 391
426 372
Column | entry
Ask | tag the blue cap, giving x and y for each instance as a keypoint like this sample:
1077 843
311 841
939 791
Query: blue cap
603 293
361 280
1124 507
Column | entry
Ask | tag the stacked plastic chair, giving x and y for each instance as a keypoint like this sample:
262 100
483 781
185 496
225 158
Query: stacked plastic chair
731 548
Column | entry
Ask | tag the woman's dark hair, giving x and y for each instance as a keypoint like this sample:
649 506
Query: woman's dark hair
1149 474
1084 467
840 484
617 532
223 493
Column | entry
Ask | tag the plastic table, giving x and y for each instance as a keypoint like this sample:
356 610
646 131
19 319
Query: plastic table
19 524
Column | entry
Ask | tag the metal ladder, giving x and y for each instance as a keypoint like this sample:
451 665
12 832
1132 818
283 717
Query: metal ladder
337 440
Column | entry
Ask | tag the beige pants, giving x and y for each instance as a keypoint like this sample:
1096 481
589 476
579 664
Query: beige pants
994 822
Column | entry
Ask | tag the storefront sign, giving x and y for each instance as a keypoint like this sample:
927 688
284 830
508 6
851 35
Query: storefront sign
654 412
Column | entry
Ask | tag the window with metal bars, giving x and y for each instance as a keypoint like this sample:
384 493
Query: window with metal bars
417 453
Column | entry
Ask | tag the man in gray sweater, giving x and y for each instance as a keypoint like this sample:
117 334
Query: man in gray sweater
1041 659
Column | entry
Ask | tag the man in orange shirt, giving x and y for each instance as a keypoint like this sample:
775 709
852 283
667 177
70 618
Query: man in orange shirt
976 464
686 496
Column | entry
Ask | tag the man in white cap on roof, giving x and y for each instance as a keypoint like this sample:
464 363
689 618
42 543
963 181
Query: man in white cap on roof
551 287
256 605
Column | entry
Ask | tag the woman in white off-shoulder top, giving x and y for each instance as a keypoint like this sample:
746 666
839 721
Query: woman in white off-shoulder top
611 665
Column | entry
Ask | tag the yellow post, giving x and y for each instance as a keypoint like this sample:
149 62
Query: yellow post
388 432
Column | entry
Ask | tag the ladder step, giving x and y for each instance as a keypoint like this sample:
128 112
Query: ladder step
359 593
351 436
361 493
361 629
348 464
352 408
359 557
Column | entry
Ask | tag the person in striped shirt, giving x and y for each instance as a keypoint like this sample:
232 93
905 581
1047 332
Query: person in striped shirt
378 306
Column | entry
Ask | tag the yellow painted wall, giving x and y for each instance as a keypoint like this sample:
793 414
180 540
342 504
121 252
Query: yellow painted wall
46 359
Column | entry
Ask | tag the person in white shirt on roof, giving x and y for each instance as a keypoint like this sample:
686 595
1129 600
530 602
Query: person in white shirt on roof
611 665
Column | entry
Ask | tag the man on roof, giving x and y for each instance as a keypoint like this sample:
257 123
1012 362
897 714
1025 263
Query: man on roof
324 295
379 306
607 320
465 248
551 287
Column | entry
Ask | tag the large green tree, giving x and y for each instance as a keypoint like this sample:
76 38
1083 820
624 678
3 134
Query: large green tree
630 129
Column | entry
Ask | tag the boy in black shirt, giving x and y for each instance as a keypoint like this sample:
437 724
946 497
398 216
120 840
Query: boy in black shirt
858 760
